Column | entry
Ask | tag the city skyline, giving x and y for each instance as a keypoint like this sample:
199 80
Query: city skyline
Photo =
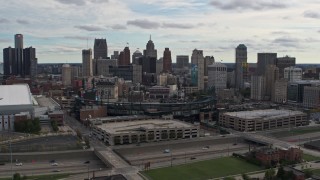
60 29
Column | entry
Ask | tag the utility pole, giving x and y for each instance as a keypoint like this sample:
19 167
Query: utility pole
11 159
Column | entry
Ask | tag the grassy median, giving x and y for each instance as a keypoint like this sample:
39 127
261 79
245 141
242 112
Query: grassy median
220 167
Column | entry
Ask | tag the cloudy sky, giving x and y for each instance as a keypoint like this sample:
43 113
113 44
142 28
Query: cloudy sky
60 29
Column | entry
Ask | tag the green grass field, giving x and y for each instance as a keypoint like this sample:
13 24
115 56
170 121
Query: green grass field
203 170
316 172
308 157
295 132
43 177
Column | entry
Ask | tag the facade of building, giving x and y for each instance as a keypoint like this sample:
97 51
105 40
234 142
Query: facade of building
167 61
182 61
159 66
217 76
208 60
259 120
265 59
87 69
129 72
159 92
311 97
123 130
271 75
124 57
296 90
293 74
66 75
279 93
197 61
258 84
103 66
271 157
241 66
100 49
135 57
107 90
284 62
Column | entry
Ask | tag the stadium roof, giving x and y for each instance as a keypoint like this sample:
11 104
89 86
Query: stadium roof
11 95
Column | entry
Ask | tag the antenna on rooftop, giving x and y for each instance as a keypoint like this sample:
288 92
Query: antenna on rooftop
150 37
87 42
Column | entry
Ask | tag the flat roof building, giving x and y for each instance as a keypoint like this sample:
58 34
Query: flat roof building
126 130
258 120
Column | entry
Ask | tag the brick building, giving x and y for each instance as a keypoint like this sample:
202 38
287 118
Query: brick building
269 156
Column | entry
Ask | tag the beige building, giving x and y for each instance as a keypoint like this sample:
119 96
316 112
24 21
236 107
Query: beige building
102 66
66 75
136 129
107 90
279 93
257 87
136 73
217 76
87 67
271 75
259 120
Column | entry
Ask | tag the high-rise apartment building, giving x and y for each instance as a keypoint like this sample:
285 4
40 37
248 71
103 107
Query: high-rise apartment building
265 59
167 61
257 87
208 60
182 61
150 51
66 75
217 76
292 74
100 49
29 56
87 69
284 62
271 75
197 61
241 66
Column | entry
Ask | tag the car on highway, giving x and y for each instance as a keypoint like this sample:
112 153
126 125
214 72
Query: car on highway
206 147
54 164
166 151
19 164
192 158
56 170
87 162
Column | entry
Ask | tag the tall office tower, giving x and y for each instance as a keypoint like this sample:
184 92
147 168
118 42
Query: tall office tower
257 87
29 55
135 57
208 60
182 61
241 68
271 76
292 74
265 59
124 57
66 74
150 51
197 63
159 66
284 62
115 55
149 64
136 73
87 62
9 63
18 43
100 49
167 61
34 68
75 72
103 66
217 76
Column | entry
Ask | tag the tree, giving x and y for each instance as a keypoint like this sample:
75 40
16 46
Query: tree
86 140
269 174
79 134
54 126
281 173
16 176
245 176
308 173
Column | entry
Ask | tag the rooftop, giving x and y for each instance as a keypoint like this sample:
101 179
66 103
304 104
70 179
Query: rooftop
142 125
264 114
18 94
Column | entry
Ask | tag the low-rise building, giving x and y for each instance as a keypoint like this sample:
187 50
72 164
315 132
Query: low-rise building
271 157
136 129
156 92
57 116
259 120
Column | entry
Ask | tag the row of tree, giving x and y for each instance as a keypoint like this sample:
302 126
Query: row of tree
29 126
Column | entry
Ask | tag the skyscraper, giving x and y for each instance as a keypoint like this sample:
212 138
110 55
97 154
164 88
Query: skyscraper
208 60
100 49
265 59
241 66
19 61
217 76
150 51
87 62
197 61
182 61
66 74
167 61
271 76
124 57
135 57
284 62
